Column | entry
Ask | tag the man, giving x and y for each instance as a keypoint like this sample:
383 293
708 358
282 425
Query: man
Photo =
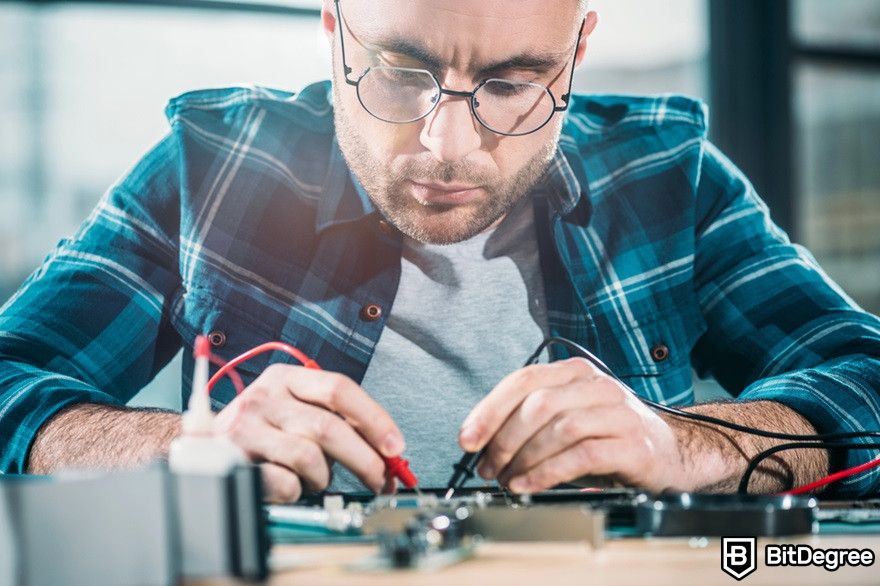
418 230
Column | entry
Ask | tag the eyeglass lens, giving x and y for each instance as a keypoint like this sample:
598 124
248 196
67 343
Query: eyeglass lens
402 95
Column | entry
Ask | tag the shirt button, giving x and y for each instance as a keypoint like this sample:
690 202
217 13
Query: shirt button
217 338
371 312
660 352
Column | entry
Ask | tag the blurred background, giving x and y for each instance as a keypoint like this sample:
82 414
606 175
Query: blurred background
793 87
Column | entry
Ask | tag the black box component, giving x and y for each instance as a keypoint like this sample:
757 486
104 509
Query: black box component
718 515
222 524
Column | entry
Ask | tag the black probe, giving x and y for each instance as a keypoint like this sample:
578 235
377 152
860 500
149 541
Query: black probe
464 468
464 471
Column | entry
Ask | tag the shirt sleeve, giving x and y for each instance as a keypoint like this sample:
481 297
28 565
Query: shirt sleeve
778 328
91 323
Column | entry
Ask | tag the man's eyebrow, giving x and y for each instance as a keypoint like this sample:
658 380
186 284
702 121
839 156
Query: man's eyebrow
410 49
539 62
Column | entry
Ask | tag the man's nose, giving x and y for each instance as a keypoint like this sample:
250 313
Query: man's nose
451 132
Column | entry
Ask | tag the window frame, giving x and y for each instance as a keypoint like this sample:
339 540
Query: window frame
753 55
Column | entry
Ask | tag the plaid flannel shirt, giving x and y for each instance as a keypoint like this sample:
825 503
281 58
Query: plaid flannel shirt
245 221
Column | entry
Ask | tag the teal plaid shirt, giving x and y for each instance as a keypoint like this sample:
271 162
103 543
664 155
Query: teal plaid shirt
245 221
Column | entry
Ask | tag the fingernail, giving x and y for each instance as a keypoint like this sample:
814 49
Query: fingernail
468 437
487 471
393 445
519 484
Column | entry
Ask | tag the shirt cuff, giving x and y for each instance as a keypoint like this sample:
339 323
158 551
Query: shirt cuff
29 397
837 397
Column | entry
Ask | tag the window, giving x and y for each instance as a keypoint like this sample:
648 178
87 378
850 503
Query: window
83 91
647 48
796 89
837 140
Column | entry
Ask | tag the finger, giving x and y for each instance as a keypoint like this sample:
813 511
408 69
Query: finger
263 441
299 454
340 394
487 417
565 430
280 485
390 485
334 436
597 457
536 411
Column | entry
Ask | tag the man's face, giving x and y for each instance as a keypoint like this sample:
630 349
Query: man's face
445 178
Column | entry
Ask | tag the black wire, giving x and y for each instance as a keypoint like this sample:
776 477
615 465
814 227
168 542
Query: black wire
584 353
800 441
760 457
463 470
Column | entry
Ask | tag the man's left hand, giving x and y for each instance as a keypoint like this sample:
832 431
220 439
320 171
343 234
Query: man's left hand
546 424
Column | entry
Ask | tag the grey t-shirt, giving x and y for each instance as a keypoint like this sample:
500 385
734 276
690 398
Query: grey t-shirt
464 317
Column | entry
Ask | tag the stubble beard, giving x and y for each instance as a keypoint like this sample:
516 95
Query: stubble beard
388 186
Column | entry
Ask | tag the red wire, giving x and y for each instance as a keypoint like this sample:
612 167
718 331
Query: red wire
807 488
394 467
233 374
261 349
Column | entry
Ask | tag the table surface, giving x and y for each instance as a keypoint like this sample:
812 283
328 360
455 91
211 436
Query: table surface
673 561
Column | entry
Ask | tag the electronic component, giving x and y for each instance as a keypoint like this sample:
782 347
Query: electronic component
429 540
498 517
333 517
573 515
222 529
709 515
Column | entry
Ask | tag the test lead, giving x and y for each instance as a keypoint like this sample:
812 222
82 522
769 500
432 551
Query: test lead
464 471
397 467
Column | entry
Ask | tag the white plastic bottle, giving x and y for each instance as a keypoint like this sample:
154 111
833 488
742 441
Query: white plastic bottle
198 450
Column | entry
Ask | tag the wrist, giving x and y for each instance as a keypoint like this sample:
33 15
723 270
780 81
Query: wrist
703 464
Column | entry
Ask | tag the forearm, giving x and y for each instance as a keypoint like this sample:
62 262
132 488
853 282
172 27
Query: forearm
715 458
90 436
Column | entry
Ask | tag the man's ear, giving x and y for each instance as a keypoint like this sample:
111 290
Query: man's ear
587 28
328 19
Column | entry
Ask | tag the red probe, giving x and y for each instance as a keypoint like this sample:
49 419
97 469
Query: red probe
395 467
399 468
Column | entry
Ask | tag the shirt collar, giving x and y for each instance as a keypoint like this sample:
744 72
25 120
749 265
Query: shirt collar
344 199
564 182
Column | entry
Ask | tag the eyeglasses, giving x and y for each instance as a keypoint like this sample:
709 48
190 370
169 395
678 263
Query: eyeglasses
401 95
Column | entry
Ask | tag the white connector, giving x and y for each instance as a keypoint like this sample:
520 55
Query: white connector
198 449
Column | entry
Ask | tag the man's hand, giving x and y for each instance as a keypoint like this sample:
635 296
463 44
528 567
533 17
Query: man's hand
551 423
297 421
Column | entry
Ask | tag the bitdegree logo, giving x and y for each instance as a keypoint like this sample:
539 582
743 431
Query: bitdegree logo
803 555
738 558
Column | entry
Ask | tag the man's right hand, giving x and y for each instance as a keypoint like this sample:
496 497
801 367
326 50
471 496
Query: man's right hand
297 421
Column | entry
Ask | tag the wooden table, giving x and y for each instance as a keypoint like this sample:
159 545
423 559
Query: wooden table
642 562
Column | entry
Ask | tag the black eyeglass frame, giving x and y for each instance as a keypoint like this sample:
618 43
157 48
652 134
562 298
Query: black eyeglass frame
471 95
